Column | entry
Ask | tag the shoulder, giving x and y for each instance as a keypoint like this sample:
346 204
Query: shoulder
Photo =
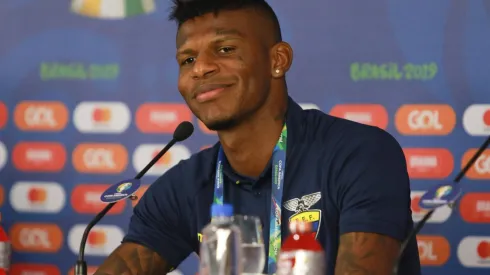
343 134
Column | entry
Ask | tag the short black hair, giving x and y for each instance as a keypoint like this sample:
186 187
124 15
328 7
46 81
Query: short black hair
184 10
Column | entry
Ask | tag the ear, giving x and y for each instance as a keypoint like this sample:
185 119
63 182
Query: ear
281 59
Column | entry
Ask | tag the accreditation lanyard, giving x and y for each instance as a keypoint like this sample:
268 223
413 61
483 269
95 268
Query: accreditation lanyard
279 166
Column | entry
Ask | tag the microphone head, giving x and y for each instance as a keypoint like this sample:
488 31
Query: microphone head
183 131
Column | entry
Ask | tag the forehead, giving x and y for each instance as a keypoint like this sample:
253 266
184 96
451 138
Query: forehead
243 22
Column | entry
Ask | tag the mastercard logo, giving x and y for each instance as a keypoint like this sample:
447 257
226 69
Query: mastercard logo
474 251
102 117
102 240
144 153
164 160
37 197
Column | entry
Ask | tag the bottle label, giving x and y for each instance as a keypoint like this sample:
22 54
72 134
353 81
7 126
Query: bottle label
4 255
301 262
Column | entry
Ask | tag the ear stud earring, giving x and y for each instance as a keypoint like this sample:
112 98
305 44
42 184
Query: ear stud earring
278 71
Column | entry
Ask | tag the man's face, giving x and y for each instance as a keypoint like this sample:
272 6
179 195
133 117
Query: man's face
224 66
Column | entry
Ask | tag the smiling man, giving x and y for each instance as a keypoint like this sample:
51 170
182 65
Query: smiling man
350 180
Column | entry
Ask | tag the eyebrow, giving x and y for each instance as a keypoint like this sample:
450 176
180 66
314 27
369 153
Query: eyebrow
218 32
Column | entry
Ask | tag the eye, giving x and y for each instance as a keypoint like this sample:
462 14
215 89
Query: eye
226 49
187 61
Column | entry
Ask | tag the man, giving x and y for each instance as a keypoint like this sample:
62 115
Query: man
352 178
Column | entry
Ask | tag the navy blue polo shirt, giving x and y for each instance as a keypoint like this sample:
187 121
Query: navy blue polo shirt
341 175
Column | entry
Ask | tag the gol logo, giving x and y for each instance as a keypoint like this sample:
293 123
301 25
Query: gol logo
39 156
481 168
85 199
90 270
433 250
425 119
41 116
369 114
97 238
104 158
429 163
32 237
205 129
161 117
139 193
475 207
3 115
34 269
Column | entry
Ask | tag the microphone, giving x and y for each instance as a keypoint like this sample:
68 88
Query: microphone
439 203
115 193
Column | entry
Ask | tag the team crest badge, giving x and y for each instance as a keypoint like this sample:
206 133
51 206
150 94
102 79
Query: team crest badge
301 208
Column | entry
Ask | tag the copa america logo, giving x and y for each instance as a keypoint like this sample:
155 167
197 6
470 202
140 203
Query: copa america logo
112 9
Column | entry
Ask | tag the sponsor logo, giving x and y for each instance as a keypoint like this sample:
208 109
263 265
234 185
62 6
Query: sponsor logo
4 115
112 9
440 214
302 212
161 117
369 114
145 152
205 129
475 207
309 106
39 156
474 251
36 237
34 269
41 116
476 120
433 250
37 197
101 241
481 168
85 199
90 270
100 158
102 117
429 163
425 119
139 193
3 155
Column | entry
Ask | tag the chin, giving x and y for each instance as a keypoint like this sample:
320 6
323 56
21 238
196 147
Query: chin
221 124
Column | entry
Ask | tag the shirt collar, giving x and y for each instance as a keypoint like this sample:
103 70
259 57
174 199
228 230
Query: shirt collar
293 122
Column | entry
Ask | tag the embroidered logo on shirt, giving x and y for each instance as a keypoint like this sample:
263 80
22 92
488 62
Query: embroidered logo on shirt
301 208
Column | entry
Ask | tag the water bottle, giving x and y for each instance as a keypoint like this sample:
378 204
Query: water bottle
301 253
220 252
4 251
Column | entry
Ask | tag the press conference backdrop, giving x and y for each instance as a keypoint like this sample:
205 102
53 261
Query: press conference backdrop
88 96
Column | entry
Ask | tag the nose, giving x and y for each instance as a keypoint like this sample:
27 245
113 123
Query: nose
204 66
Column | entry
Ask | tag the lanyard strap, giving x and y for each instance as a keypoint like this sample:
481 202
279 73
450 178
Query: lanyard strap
278 168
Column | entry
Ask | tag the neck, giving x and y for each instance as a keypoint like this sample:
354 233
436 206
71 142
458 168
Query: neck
249 146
